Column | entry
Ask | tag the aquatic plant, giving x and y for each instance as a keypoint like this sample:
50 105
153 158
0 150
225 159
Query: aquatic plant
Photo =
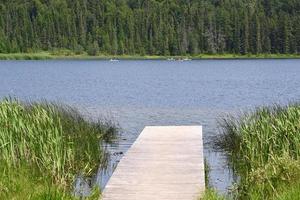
211 194
51 139
263 146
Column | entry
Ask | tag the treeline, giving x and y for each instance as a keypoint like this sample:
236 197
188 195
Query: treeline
152 27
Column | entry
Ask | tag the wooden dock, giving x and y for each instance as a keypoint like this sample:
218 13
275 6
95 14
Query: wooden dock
165 162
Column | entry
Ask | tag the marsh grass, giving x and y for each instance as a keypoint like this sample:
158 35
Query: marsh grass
211 194
263 147
290 193
53 140
25 182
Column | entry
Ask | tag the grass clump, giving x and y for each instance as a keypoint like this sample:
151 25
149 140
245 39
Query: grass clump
264 149
211 194
27 183
51 142
290 193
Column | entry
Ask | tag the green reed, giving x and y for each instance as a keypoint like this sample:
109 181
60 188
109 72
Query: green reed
55 139
264 149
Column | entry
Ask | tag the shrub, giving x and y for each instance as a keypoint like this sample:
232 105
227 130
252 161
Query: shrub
93 49
78 49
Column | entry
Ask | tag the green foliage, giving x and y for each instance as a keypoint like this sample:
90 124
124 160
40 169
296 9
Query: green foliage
49 143
290 192
165 27
211 194
25 183
78 49
93 49
264 149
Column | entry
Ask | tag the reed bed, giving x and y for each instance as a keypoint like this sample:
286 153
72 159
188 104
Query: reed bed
52 140
263 147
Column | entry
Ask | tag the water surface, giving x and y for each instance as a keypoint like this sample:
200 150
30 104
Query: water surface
140 93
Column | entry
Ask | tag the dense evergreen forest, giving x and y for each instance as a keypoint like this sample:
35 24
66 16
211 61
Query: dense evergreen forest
151 27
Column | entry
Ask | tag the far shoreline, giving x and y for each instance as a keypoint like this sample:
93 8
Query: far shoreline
73 56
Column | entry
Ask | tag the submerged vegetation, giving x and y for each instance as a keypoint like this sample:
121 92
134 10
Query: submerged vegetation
44 146
264 149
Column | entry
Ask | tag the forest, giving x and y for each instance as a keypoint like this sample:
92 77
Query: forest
151 27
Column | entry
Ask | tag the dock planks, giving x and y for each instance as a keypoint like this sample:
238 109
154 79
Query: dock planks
164 163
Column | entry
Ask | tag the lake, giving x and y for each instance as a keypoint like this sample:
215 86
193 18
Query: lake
140 93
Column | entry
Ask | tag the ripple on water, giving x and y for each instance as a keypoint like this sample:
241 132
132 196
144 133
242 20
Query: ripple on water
140 93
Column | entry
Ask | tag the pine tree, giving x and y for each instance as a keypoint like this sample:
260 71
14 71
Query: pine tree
297 34
150 27
258 36
237 34
287 33
246 34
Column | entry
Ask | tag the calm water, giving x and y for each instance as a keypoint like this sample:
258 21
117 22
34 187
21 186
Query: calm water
140 93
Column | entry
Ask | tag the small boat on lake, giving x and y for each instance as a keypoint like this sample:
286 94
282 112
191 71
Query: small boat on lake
183 59
170 59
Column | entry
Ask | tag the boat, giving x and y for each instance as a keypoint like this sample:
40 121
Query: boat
113 60
170 59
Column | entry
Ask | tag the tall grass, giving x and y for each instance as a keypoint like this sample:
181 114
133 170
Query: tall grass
28 183
211 194
52 139
264 149
290 193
